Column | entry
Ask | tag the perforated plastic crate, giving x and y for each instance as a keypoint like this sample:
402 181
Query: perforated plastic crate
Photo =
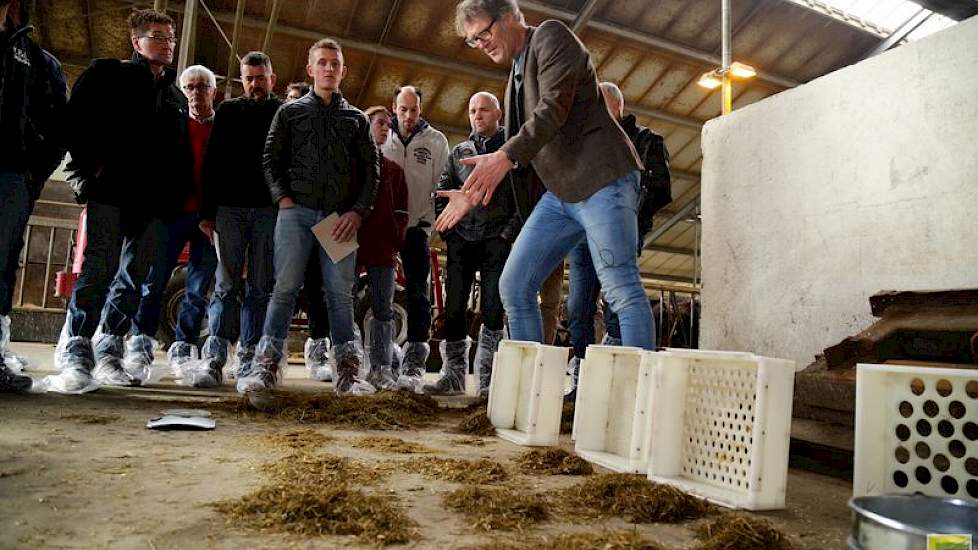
916 431
526 392
721 423
611 423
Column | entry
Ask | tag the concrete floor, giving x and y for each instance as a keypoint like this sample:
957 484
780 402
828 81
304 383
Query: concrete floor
65 483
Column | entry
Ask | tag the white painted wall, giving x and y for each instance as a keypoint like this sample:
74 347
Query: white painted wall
814 199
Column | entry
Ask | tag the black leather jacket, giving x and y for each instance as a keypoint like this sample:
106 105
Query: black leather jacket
322 156
482 222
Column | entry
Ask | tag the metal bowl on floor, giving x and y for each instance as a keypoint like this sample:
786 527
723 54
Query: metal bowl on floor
902 522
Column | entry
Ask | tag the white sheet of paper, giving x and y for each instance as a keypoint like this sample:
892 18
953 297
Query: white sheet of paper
324 233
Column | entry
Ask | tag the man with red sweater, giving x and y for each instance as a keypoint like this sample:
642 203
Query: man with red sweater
199 85
380 238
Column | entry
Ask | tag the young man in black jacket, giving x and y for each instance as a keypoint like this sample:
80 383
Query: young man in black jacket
131 162
238 214
32 98
477 243
320 159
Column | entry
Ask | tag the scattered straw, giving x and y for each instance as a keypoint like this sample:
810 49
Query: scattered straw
457 470
633 497
322 510
741 533
95 419
567 418
391 445
476 423
497 508
303 439
470 441
310 470
381 411
554 462
609 540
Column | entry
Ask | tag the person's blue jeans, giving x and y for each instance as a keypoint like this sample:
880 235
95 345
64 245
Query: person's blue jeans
200 274
15 210
607 220
381 280
294 242
244 236
119 253
582 301
417 268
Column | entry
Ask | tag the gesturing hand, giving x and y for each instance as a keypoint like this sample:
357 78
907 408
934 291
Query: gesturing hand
207 227
346 227
485 177
458 205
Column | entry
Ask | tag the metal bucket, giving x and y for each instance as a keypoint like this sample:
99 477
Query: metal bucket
903 522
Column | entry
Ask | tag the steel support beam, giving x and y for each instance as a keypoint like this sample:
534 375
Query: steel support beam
584 17
897 36
670 250
661 44
188 33
233 58
676 218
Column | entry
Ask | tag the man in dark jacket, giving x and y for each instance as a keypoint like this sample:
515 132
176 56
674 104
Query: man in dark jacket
320 160
131 161
475 244
238 214
556 121
381 238
584 285
32 97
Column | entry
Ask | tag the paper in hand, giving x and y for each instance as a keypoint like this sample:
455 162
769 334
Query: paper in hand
324 233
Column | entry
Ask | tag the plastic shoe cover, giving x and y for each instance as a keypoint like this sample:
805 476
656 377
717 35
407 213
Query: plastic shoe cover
397 359
201 374
244 356
609 340
75 362
267 366
347 368
484 355
138 361
316 355
59 349
574 368
412 375
108 369
455 366
179 355
16 363
380 352
11 382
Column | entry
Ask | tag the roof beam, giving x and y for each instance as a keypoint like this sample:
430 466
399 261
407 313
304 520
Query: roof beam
272 21
668 46
904 30
582 18
669 250
676 218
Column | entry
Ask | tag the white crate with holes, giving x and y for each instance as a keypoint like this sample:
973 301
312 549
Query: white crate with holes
611 422
916 431
526 394
721 424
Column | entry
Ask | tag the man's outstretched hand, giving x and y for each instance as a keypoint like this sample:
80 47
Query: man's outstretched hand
458 205
489 170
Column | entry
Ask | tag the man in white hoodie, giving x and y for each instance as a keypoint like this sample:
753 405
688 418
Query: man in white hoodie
421 151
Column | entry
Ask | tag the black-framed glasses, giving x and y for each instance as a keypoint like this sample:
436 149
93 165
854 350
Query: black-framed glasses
162 38
482 36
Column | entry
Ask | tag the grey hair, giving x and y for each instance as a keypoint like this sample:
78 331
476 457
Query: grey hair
614 90
467 10
257 59
490 95
197 71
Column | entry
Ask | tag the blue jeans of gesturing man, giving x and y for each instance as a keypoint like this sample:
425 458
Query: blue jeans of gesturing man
294 242
607 220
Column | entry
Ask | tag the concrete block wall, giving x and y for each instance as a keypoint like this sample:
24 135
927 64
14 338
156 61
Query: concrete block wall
814 199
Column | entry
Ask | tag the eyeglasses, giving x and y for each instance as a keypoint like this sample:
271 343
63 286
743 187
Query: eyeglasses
482 36
161 38
196 87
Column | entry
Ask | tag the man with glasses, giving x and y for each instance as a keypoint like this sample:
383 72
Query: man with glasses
131 161
198 84
239 216
558 124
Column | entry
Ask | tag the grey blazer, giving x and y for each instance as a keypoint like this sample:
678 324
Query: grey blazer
573 144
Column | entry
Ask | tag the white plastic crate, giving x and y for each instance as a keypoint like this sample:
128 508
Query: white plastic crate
526 392
721 424
916 431
611 423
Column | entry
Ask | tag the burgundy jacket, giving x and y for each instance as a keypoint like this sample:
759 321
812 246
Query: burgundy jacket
382 234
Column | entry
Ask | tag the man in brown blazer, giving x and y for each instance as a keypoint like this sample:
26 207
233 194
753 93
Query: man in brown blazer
557 124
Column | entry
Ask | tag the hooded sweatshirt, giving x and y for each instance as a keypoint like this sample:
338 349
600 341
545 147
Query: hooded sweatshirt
423 156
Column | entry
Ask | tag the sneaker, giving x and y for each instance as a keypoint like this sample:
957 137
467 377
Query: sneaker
316 355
